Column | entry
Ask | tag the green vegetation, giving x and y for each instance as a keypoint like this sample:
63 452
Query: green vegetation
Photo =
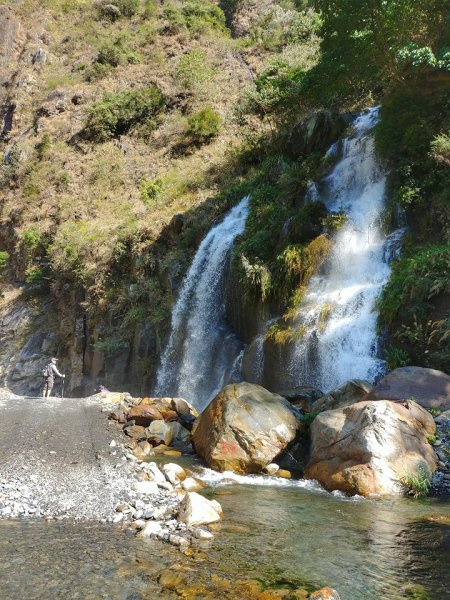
197 16
408 303
4 257
117 114
203 125
418 484
117 53
308 418
150 190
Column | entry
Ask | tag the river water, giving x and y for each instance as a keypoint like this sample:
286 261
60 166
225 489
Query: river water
284 534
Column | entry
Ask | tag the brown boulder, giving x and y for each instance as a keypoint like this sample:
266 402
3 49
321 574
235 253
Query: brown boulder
136 432
369 447
348 393
244 428
427 387
144 414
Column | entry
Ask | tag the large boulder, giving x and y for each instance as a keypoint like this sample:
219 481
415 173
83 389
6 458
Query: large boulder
370 447
348 393
427 387
244 428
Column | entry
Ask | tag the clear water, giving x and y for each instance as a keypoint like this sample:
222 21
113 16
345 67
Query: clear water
283 534
366 549
202 354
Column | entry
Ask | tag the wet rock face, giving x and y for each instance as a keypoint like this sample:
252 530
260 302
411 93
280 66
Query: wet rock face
316 132
369 447
428 387
244 428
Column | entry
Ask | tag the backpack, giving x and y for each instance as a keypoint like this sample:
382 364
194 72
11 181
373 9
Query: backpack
47 371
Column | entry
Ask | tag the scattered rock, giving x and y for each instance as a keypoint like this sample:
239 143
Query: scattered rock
145 487
369 447
174 473
190 484
197 510
302 396
350 392
427 387
161 430
244 428
284 473
443 418
271 469
151 529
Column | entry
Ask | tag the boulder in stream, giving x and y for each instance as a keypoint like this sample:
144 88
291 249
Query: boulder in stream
427 387
244 428
370 447
197 510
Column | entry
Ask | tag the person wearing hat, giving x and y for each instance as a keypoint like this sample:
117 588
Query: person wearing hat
49 373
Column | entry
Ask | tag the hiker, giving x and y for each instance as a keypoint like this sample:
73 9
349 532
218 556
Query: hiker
49 373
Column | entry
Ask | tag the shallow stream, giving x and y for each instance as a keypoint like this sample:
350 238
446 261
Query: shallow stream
284 534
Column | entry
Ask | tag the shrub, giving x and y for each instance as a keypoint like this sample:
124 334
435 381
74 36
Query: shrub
200 15
440 147
308 418
396 357
32 238
127 7
43 147
117 114
203 125
150 190
193 70
4 257
34 274
116 53
113 9
418 484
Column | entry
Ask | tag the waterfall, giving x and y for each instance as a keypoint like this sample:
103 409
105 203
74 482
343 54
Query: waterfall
203 354
338 317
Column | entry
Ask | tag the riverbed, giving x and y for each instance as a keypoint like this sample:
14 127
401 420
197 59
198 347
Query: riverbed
286 534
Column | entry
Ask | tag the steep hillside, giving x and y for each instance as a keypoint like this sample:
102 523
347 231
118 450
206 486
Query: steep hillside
122 134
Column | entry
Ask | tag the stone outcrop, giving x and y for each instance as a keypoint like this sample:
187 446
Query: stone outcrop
369 447
350 392
244 428
317 132
427 387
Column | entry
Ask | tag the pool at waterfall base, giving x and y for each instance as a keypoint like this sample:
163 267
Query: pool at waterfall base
282 534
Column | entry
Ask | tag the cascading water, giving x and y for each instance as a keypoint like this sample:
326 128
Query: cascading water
337 317
203 354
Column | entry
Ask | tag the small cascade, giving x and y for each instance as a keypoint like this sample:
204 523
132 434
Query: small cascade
338 317
203 354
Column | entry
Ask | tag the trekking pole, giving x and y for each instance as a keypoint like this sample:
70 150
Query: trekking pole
62 389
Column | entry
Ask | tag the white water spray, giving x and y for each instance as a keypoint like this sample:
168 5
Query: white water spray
203 354
338 313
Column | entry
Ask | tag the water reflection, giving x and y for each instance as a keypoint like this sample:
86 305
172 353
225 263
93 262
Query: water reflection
367 549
